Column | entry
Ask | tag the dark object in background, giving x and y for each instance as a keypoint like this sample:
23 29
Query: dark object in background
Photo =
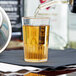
15 10
73 6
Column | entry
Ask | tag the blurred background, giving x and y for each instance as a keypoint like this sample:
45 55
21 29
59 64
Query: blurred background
16 9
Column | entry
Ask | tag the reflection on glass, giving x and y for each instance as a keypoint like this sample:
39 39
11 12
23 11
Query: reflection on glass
33 74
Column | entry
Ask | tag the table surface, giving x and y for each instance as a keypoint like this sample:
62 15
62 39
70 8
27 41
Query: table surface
57 61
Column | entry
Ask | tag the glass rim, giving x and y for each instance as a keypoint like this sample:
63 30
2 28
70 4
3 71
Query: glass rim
32 17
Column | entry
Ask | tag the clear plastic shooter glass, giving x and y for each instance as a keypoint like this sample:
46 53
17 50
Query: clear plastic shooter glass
35 38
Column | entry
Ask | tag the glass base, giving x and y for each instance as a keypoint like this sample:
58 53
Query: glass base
31 60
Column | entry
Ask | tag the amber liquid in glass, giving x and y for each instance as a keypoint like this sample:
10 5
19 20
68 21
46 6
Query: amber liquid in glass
35 43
